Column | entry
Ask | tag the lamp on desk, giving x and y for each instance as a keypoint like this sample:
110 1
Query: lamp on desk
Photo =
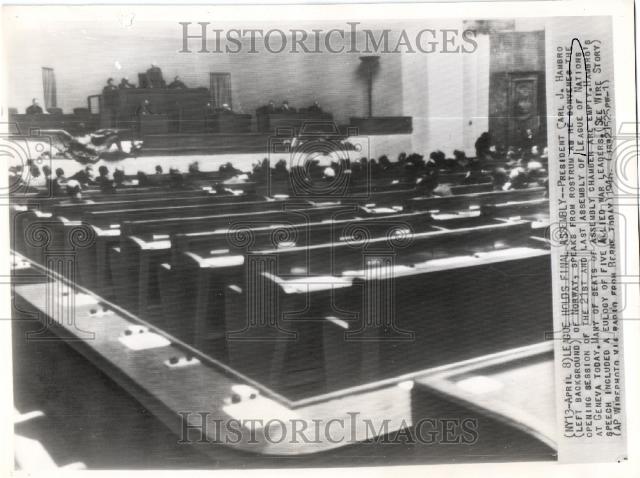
370 63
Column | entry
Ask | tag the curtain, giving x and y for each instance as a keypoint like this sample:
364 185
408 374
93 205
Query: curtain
49 84
220 87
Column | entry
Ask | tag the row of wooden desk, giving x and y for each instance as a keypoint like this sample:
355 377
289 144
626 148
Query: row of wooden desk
133 239
185 112
277 123
287 295
207 123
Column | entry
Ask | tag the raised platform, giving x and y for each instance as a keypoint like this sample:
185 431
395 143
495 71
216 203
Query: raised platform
271 122
207 143
384 128
383 125
120 106
26 125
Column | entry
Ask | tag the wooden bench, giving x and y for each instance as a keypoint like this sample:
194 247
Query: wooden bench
20 205
145 244
53 221
105 219
481 277
196 258
200 245
473 200
106 225
532 209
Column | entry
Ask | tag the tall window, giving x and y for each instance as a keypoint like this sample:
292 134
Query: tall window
220 87
49 85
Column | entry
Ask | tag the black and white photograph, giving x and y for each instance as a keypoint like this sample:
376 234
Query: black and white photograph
312 240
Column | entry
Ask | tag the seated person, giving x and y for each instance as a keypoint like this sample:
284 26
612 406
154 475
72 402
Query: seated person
154 77
124 84
57 183
315 107
461 160
109 87
144 109
483 146
83 177
34 108
518 179
60 175
34 170
176 180
285 108
269 108
143 179
106 184
499 178
427 183
194 169
74 193
438 158
118 177
177 84
528 140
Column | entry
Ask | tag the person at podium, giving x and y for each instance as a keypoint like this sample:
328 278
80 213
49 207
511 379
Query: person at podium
109 87
285 108
124 84
110 100
269 108
34 108
154 77
177 84
315 107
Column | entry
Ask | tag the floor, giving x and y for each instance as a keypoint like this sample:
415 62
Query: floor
89 418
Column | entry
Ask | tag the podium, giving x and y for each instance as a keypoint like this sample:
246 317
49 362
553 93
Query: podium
178 106
270 122
228 123
383 125
153 124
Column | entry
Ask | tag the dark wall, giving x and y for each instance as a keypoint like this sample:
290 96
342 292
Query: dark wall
517 86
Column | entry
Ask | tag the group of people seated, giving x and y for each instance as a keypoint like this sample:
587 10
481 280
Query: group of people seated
146 108
505 168
123 85
153 77
515 168
58 184
285 108
34 108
